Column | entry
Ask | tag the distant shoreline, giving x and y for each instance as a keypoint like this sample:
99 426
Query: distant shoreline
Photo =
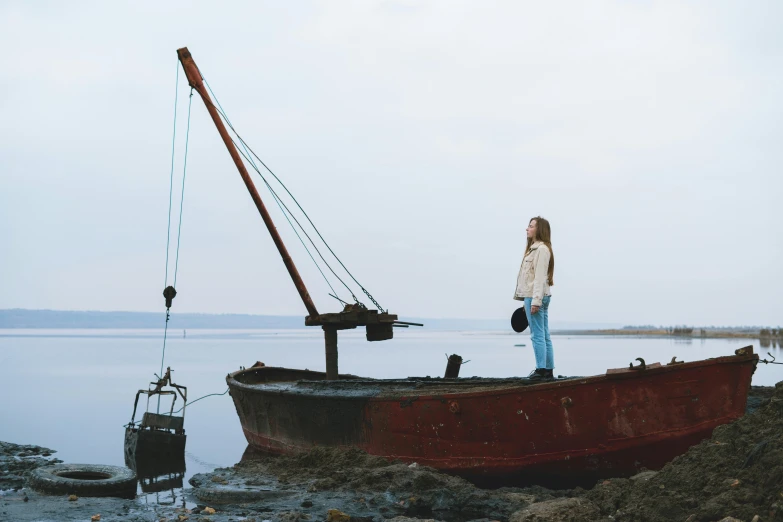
82 319
16 319
71 319
708 334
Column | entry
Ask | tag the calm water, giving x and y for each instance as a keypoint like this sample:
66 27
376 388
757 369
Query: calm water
73 390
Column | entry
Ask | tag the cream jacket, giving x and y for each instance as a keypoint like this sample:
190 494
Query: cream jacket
532 279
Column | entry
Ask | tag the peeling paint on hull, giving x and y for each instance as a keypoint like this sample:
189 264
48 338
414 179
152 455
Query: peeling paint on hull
612 424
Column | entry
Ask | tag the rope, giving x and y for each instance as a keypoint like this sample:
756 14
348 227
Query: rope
191 402
171 176
380 309
285 214
283 207
179 226
280 205
222 113
280 202
182 197
168 227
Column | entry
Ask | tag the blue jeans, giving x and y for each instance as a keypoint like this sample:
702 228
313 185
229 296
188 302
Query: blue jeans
539 333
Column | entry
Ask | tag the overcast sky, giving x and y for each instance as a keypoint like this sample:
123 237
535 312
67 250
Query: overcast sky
420 137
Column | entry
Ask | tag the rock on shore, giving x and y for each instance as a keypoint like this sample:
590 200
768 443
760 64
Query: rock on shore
738 472
17 459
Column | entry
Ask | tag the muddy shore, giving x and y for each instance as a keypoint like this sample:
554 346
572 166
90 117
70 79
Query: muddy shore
738 473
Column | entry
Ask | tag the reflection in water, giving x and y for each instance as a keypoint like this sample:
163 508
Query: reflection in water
160 477
168 495
252 454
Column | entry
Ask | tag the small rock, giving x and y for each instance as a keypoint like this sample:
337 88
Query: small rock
25 498
307 504
335 515
755 519
409 519
644 476
520 498
414 465
95 518
557 510
730 519
208 511
72 498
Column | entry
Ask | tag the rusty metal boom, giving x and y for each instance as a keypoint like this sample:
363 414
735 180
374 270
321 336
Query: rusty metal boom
196 82
378 323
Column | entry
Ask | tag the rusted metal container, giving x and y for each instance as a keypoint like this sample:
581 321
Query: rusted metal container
156 444
561 432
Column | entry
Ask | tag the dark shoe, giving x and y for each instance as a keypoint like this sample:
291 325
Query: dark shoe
550 374
539 374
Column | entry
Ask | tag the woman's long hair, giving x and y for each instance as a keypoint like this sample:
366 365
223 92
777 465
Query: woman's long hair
544 234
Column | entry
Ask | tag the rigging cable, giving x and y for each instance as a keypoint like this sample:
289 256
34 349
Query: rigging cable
171 176
170 291
220 110
282 204
168 227
367 293
182 196
284 208
285 214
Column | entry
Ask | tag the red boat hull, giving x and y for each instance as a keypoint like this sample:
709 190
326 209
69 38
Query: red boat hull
583 428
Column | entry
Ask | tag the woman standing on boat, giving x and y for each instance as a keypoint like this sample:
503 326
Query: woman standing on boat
533 287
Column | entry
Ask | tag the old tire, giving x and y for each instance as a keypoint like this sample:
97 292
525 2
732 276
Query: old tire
84 480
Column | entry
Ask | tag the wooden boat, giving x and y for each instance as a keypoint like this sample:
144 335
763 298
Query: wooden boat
614 424
577 428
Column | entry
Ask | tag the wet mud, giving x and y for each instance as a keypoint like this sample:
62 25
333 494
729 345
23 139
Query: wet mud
363 486
737 473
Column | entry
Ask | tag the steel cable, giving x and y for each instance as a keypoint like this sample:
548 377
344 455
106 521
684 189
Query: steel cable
222 113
